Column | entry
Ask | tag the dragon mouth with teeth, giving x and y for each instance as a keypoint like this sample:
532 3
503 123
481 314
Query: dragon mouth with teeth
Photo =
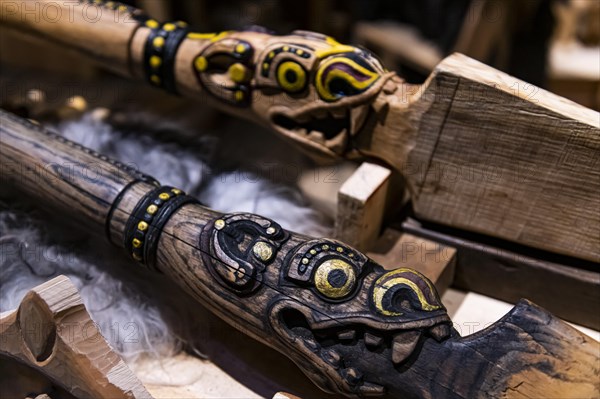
352 308
332 346
331 128
333 308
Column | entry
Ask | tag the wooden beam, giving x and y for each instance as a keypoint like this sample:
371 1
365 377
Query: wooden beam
489 153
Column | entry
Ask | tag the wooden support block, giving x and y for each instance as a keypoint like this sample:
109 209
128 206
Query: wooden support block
361 206
436 261
52 332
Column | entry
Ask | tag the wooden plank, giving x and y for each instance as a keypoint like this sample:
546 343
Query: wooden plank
361 205
568 290
497 156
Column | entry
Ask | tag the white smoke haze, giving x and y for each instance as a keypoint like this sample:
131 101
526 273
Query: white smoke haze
137 310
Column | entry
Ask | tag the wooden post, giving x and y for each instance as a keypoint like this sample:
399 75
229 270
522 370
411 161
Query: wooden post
361 206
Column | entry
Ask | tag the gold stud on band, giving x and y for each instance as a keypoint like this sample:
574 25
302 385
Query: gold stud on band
142 226
151 23
152 209
136 243
155 61
164 196
169 27
158 42
271 230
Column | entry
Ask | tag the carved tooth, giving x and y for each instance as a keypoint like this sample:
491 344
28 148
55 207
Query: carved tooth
311 344
440 332
338 113
404 344
301 131
338 143
351 375
372 341
346 335
380 105
358 116
331 357
320 113
316 136
371 389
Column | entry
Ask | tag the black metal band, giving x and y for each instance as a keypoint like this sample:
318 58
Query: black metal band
161 218
147 220
160 50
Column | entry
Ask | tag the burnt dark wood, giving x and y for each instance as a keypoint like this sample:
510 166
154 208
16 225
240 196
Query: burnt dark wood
352 327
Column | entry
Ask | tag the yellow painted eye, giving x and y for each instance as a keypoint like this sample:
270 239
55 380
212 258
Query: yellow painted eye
335 278
291 76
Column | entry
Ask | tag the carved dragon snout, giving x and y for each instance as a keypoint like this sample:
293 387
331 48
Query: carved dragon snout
327 303
306 85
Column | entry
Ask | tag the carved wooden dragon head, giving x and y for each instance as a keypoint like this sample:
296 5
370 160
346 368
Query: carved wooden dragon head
327 303
306 86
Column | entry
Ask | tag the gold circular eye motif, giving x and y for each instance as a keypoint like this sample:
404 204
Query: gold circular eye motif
335 278
291 76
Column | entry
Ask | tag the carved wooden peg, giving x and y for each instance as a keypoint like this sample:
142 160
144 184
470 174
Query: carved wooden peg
52 332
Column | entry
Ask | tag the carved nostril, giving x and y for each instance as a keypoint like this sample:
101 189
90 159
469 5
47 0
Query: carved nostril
294 320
